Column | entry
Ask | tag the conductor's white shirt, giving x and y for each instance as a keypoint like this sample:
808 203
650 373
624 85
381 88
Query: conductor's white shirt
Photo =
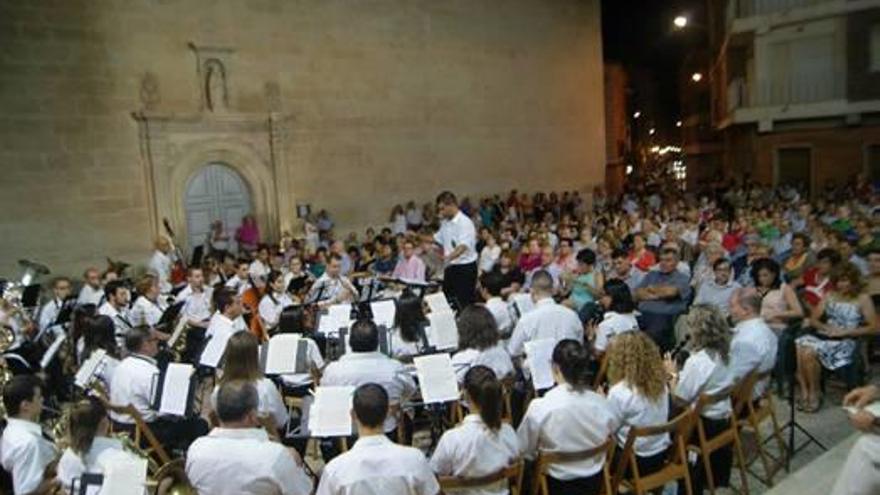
376 466
358 368
471 450
705 374
456 232
271 403
25 453
133 384
244 461
547 321
565 420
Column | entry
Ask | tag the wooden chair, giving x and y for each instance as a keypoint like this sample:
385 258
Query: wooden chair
601 374
755 412
512 474
729 437
142 431
676 467
546 459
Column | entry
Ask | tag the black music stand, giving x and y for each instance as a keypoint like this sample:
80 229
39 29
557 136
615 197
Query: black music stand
786 340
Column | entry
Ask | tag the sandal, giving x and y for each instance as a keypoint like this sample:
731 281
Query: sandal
800 404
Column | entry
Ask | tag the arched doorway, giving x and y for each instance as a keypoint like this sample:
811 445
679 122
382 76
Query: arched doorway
214 192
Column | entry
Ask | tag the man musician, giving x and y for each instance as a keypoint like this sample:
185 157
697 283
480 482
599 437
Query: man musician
332 287
50 311
115 306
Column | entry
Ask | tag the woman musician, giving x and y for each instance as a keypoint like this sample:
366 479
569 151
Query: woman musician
273 302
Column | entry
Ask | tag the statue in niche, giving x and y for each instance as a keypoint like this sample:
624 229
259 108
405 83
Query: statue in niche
215 85
149 91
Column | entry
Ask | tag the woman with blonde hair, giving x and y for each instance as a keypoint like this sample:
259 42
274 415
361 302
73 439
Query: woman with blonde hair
638 395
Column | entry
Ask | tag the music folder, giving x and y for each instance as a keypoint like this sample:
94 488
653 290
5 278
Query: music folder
330 414
88 369
384 312
437 302
437 380
540 356
285 353
52 350
443 332
175 389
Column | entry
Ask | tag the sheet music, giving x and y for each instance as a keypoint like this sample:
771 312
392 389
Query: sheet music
540 356
176 388
383 313
437 380
89 368
125 475
214 349
523 303
178 330
52 350
338 316
443 333
437 302
330 415
281 354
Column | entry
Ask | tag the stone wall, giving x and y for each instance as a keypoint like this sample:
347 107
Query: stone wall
386 100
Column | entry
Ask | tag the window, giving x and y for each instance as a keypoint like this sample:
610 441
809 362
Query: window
874 49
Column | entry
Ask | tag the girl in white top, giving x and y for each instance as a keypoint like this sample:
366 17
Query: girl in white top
407 336
91 448
569 418
274 301
481 444
479 344
489 255
241 362
620 315
706 371
639 396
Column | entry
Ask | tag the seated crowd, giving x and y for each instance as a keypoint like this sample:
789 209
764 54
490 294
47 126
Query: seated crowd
647 304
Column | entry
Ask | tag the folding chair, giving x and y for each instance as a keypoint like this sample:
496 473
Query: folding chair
546 459
729 437
754 412
676 467
512 474
142 431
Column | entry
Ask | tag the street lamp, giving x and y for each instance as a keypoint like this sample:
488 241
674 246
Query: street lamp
680 21
637 114
697 77
678 123
651 131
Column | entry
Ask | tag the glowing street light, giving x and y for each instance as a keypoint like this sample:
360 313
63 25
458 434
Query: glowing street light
651 131
697 77
637 114
677 123
680 21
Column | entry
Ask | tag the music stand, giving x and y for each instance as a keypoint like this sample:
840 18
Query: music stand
786 340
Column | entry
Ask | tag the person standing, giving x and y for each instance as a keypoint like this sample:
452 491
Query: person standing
458 237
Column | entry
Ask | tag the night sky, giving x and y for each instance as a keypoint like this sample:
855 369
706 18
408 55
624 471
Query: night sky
640 34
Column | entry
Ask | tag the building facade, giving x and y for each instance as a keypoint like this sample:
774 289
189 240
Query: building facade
795 88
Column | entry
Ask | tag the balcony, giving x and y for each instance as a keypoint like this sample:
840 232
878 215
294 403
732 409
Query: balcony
740 9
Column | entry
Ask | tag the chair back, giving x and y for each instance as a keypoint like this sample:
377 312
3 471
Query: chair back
142 430
546 459
706 400
512 473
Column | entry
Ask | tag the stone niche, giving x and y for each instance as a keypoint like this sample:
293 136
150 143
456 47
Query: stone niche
174 145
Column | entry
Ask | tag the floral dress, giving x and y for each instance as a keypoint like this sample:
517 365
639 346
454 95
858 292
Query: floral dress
836 353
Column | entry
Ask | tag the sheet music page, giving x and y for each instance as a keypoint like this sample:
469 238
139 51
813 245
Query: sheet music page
383 313
330 415
214 350
437 302
52 350
175 389
281 354
437 380
89 367
523 302
540 356
443 333
125 475
178 330
338 316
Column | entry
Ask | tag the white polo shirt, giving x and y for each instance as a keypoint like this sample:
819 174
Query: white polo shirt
375 466
471 450
25 453
753 347
547 321
456 232
565 420
133 384
271 404
244 461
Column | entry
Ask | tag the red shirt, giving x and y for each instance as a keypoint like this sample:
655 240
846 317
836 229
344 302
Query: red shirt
643 262
814 289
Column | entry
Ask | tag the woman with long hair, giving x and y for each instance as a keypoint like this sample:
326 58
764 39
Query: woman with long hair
638 395
407 336
241 361
479 343
848 315
91 446
79 324
779 304
706 371
101 335
569 418
481 444
619 317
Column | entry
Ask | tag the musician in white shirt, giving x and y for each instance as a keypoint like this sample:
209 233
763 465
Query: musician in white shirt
260 267
754 345
133 383
197 299
332 287
24 450
365 364
491 285
147 310
639 396
274 301
241 281
238 457
548 320
92 292
49 311
569 418
375 464
481 444
227 320
408 337
161 263
619 315
479 344
116 307
706 371
458 237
